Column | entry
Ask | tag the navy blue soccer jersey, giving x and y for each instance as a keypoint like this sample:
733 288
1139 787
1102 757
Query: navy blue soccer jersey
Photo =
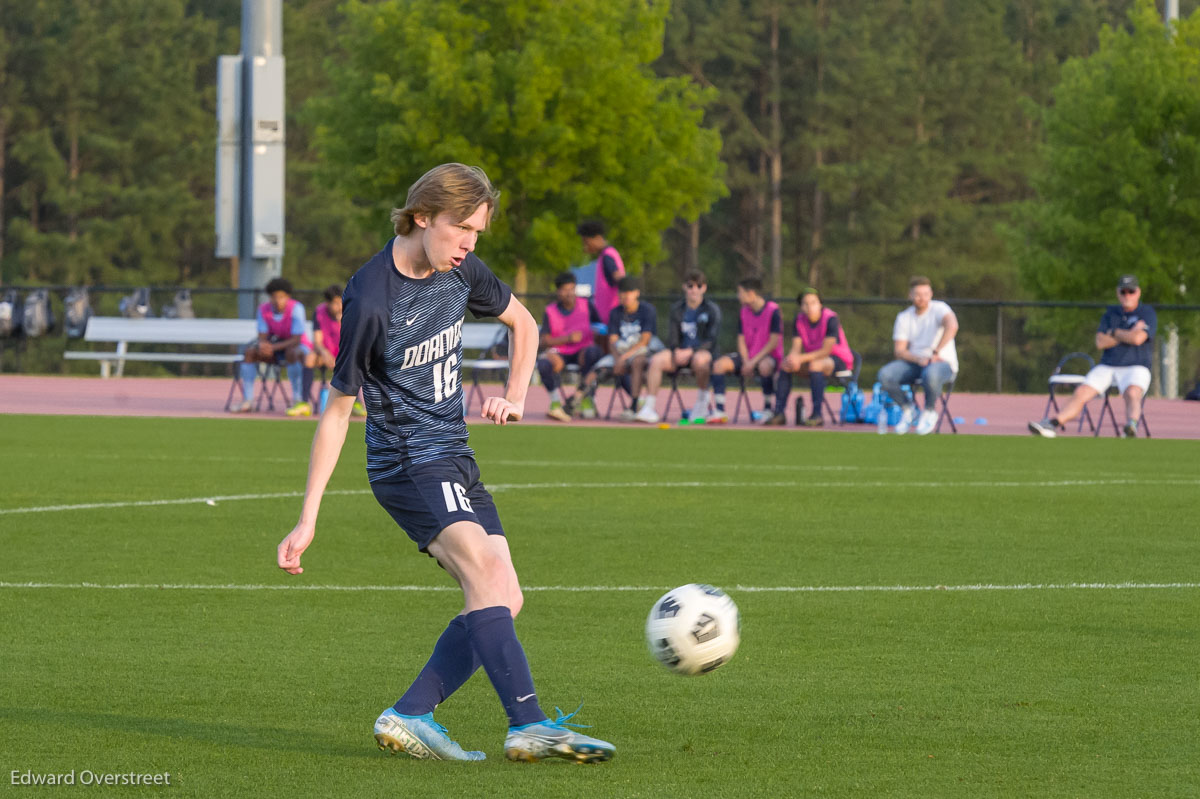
402 345
1115 318
628 327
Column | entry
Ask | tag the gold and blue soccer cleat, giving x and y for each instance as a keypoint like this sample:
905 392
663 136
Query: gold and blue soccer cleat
540 740
418 736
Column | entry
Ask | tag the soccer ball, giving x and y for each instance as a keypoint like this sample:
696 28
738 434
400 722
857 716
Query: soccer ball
693 629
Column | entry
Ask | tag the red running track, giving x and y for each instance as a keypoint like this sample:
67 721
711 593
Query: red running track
988 414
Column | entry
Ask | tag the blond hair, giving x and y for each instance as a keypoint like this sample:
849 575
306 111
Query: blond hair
455 189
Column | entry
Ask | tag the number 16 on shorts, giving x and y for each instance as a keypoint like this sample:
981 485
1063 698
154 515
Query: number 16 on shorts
456 497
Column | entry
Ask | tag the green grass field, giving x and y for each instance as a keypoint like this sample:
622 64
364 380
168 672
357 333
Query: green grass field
186 662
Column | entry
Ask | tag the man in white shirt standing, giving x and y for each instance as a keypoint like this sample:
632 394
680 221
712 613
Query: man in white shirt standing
923 341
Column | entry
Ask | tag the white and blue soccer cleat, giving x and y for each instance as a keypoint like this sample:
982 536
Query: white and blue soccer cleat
543 739
418 736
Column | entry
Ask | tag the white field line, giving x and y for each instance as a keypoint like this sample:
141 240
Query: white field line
653 484
556 464
786 589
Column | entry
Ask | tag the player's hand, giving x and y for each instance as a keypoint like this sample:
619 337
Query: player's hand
291 548
791 363
501 411
265 349
748 370
574 337
682 356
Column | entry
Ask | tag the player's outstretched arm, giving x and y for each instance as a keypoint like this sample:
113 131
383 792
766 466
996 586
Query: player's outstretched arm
327 445
523 354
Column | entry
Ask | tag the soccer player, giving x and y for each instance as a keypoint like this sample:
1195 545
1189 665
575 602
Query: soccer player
1126 336
819 350
327 329
609 266
282 338
402 344
632 329
923 342
327 334
760 347
691 344
568 334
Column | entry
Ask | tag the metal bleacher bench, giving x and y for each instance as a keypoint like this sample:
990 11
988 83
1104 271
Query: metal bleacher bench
479 338
224 333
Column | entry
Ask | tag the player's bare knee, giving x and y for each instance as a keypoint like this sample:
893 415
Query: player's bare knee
516 600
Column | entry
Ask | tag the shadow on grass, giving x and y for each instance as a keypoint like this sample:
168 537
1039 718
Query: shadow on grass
275 739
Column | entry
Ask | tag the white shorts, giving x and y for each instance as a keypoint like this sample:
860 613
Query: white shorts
1102 376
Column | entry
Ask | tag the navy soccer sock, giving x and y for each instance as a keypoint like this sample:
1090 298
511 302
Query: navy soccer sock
817 382
783 388
547 373
495 641
452 663
590 356
718 388
306 381
768 388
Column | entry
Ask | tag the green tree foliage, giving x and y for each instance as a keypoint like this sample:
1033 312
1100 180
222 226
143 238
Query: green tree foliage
860 141
908 131
105 177
1119 188
328 235
555 100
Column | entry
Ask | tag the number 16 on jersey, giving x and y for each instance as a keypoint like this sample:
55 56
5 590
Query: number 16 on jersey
445 378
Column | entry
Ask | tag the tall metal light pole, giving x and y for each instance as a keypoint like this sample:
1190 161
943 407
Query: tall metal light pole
250 151
1169 360
1171 12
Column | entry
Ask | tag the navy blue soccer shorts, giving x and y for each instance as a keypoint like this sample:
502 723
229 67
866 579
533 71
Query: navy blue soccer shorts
427 498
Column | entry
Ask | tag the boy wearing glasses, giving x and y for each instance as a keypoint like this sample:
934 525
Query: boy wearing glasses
691 344
1126 335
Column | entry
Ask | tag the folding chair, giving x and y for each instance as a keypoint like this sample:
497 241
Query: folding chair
1107 408
617 392
947 390
1073 381
570 399
268 390
673 395
844 378
741 397
270 386
944 414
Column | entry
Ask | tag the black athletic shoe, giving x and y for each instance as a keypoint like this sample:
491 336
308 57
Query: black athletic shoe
1131 429
814 421
776 420
1046 428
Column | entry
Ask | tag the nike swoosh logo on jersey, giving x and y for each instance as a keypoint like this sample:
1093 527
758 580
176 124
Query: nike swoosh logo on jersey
527 696
410 321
